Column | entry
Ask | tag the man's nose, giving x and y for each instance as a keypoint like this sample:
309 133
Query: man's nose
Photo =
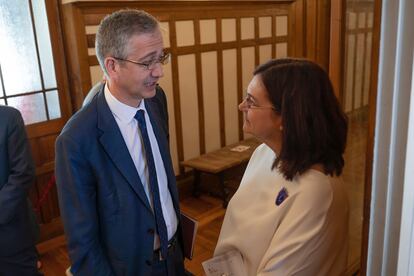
158 71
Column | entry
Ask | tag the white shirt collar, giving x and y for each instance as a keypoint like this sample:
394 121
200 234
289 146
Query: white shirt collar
123 112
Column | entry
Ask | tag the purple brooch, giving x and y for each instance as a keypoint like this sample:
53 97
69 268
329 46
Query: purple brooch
281 196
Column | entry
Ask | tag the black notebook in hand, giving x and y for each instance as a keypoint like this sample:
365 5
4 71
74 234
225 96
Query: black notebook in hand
189 230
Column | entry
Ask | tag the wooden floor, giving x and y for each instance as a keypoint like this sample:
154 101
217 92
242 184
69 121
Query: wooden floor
209 212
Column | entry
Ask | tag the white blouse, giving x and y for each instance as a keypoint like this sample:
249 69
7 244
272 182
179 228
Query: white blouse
306 234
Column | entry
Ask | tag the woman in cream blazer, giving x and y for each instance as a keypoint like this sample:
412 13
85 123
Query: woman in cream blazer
290 213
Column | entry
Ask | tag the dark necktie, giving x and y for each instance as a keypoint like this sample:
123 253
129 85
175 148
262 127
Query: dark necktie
159 218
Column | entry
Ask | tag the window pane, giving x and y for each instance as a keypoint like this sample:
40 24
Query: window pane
43 40
32 107
17 48
2 102
53 107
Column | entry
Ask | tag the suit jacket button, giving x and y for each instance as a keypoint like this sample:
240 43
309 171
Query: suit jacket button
151 231
148 262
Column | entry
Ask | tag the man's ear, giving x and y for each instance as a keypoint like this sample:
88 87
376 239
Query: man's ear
111 67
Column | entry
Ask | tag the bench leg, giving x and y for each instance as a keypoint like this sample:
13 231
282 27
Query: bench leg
196 183
223 190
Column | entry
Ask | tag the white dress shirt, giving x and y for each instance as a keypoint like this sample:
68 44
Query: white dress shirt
128 125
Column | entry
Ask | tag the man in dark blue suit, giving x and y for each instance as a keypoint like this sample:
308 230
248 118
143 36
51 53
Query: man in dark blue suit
116 184
18 254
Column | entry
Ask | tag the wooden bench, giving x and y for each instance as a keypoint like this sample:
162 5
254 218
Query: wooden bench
218 161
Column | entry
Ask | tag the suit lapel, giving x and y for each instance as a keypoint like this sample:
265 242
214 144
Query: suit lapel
114 145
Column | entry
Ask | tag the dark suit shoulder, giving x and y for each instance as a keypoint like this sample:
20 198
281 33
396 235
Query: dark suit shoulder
83 123
8 113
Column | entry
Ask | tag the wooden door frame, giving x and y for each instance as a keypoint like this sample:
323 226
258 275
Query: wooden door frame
336 61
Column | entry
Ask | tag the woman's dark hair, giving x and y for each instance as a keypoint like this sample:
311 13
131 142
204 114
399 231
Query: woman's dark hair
314 125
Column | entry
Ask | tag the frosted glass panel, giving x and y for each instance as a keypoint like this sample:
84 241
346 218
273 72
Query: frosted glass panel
281 25
352 18
165 31
185 32
265 26
247 65
228 29
265 53
207 31
247 28
1 86
370 19
92 29
18 57
32 107
91 52
43 40
281 50
2 102
53 107
96 74
361 20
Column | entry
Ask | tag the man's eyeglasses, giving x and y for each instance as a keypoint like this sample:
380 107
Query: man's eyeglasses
250 104
150 65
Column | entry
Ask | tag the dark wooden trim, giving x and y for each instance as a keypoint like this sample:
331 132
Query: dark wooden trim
273 29
346 60
358 5
58 49
239 76
359 30
220 81
77 51
323 29
311 33
199 77
90 38
256 38
376 36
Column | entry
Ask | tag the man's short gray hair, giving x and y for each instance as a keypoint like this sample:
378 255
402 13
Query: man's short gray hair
117 28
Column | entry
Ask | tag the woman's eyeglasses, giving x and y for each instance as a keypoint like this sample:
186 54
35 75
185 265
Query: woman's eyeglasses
150 65
250 104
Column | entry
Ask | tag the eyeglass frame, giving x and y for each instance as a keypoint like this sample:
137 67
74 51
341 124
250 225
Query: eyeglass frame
163 60
251 105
